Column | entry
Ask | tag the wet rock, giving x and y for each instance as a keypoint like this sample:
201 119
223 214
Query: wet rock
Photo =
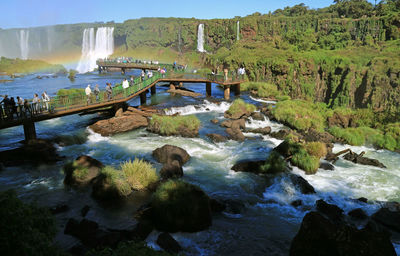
217 206
264 131
144 111
248 166
234 124
119 124
302 184
296 203
388 218
281 134
360 159
119 112
184 93
82 171
326 166
217 137
234 206
168 243
85 209
313 135
362 199
235 134
214 121
34 152
257 116
169 153
331 211
171 170
358 214
377 227
59 209
319 236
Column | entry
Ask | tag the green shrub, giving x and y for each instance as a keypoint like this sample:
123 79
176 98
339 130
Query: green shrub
25 229
239 106
306 162
173 125
139 173
264 90
317 149
274 164
301 114
128 249
80 173
117 180
69 92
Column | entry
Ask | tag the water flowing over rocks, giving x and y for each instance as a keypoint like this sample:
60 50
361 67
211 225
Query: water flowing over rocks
319 236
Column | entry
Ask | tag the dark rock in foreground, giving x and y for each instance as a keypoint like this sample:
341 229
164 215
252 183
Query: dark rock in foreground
171 170
333 212
248 166
169 153
302 184
168 243
358 214
87 167
318 236
388 218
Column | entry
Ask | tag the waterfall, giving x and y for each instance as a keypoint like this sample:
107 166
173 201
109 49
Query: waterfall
94 48
200 38
238 31
23 43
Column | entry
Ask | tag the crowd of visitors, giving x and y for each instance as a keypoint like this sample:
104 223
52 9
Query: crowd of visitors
129 60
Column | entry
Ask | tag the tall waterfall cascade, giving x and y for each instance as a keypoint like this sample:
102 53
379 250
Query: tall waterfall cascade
23 43
238 30
95 47
200 38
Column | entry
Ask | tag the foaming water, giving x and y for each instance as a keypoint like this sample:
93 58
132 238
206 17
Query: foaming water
202 108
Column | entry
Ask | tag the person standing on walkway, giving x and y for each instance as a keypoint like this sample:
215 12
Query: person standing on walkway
20 103
88 92
142 75
35 103
109 91
46 100
97 92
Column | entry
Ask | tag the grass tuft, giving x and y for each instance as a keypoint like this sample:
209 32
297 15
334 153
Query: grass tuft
139 174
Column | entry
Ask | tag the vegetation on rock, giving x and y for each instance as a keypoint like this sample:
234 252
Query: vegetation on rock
274 164
240 108
139 173
12 66
185 126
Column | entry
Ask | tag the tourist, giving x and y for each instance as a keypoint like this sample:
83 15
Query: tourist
5 102
46 100
125 84
97 92
88 92
109 91
132 82
20 103
35 104
27 107
163 71
142 75
13 107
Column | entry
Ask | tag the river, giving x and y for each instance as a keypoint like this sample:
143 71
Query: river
261 221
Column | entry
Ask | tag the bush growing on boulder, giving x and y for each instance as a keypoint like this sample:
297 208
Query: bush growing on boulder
185 126
114 182
274 164
240 108
82 170
139 174
305 161
180 206
25 229
317 149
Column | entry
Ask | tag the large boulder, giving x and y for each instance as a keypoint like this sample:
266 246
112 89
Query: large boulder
257 116
313 135
264 130
106 187
319 236
82 171
119 124
34 152
331 211
171 170
235 134
179 206
248 166
217 137
388 218
234 124
302 184
168 243
169 153
184 93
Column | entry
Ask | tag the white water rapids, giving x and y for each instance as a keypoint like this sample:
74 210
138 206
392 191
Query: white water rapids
200 38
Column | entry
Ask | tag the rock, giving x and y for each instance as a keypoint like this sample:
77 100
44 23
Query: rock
119 124
59 209
362 199
168 243
343 121
313 135
85 209
214 121
234 124
104 189
280 135
263 131
377 227
88 164
169 153
319 236
296 203
217 137
119 112
358 214
331 211
34 152
257 116
184 93
141 231
302 184
171 170
359 159
235 134
248 166
145 112
326 166
388 218
216 206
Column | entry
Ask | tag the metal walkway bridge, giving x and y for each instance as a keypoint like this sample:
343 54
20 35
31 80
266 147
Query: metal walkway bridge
59 106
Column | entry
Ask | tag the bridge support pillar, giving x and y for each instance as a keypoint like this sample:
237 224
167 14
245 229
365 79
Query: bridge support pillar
153 90
99 68
122 71
29 130
227 92
237 89
208 89
143 98
171 86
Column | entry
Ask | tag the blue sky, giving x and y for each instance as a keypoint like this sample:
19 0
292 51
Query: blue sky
32 13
